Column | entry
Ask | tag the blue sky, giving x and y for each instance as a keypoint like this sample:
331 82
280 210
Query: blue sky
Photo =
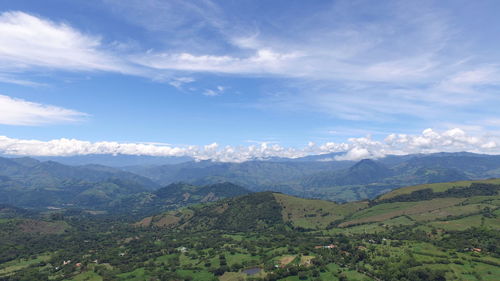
258 78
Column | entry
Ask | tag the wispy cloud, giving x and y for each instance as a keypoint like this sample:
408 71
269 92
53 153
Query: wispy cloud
214 92
371 63
261 62
31 42
428 141
21 112
179 82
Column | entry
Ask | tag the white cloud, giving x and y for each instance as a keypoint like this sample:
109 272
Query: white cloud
263 61
214 92
8 79
178 82
30 42
429 141
410 60
20 112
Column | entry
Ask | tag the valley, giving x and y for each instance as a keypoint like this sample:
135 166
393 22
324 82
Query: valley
441 231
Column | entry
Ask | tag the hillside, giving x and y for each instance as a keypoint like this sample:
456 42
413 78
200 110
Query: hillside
434 187
321 177
431 205
250 212
174 196
261 210
27 182
439 231
257 175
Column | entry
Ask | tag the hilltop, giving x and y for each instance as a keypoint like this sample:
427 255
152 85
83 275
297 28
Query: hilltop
174 196
432 205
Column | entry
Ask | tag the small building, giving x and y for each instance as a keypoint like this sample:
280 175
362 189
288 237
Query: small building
182 249
331 246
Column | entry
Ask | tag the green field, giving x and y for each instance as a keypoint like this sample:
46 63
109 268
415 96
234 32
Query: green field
436 187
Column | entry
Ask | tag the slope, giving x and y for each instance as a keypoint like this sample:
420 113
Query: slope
27 182
175 196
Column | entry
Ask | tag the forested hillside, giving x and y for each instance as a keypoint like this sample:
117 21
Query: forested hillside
445 231
339 181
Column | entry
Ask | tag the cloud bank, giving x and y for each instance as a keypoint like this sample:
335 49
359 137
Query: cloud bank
429 141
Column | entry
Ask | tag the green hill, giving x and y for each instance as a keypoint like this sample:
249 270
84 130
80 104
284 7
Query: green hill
261 210
434 232
429 205
175 196
440 205
436 187
27 182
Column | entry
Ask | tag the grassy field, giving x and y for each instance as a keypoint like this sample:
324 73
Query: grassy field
15 265
384 212
239 258
136 275
309 213
452 211
165 258
200 275
233 276
87 276
436 187
467 222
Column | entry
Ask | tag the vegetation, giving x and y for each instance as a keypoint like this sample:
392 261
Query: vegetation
267 236
341 181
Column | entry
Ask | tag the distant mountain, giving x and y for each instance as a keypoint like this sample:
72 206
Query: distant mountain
320 157
174 196
119 160
256 175
317 177
28 182
474 165
363 172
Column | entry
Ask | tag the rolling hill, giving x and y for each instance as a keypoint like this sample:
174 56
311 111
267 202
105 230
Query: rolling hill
320 177
442 231
431 205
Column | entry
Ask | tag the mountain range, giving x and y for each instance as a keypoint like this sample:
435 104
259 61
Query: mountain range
31 183
332 180
28 182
